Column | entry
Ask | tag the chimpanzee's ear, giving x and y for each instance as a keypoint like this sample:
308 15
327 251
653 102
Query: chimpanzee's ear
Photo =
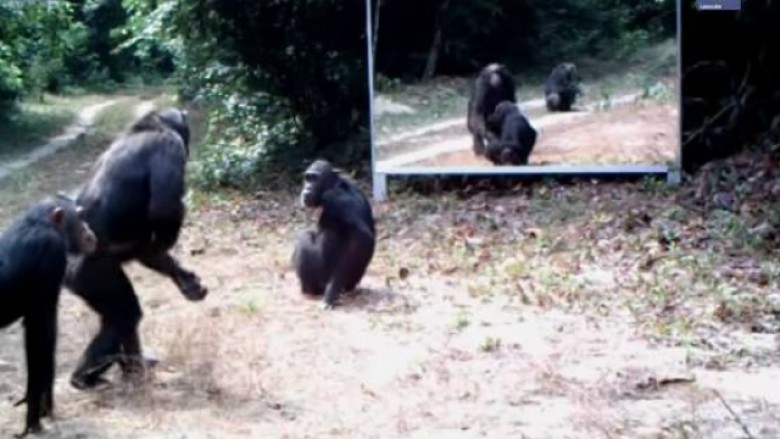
57 216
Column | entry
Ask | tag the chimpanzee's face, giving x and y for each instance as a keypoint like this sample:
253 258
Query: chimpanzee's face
318 178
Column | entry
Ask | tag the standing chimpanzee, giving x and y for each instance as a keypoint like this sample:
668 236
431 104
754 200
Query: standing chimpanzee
134 203
562 87
334 256
514 137
33 260
493 85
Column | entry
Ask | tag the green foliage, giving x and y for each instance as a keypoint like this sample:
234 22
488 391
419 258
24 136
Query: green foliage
47 46
37 37
11 83
243 128
282 82
523 34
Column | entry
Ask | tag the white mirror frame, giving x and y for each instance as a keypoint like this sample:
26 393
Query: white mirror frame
379 176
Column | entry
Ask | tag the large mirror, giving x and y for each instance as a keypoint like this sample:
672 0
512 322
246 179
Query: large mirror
512 86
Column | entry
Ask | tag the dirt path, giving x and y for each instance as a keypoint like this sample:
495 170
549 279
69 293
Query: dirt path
84 121
647 136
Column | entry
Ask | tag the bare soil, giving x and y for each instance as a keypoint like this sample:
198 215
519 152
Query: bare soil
545 312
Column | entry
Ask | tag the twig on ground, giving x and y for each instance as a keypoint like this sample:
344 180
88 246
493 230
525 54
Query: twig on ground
737 419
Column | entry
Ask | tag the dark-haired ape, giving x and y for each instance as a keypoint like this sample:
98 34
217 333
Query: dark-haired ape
493 85
333 257
562 87
33 260
133 200
514 136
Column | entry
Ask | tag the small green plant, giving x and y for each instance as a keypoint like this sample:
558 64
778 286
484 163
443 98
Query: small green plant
490 344
462 320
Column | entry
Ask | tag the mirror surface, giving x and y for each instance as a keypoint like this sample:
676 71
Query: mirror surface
594 83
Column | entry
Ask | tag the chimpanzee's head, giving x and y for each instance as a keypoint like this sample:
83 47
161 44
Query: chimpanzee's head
318 178
174 119
68 218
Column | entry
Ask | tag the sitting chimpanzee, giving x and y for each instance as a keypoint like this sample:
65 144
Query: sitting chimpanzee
33 261
513 136
562 87
334 256
133 200
493 85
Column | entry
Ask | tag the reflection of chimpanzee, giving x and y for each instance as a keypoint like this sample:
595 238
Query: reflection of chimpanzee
562 87
334 256
493 85
514 136
133 201
33 260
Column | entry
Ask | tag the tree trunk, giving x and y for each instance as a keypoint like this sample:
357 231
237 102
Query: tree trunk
433 54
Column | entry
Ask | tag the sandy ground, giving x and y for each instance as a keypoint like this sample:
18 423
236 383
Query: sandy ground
426 356
643 133
625 129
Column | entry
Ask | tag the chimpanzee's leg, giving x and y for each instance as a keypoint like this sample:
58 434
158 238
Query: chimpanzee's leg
104 286
309 263
40 340
187 281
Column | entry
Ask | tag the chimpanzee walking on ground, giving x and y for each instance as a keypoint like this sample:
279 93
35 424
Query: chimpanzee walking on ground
33 260
134 203
562 87
493 85
333 257
514 136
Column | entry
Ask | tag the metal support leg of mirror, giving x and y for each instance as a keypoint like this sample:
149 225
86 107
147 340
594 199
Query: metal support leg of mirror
379 180
673 177
380 186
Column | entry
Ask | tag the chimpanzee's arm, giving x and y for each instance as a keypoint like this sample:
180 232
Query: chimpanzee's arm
166 190
345 209
357 248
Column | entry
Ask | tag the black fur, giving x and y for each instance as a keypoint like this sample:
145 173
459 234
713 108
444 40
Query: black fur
334 256
493 85
134 202
514 137
562 87
33 260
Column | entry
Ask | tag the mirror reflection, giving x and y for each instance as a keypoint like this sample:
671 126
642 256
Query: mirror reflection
525 82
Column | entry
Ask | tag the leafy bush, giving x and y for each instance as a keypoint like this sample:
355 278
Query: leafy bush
10 76
281 82
243 129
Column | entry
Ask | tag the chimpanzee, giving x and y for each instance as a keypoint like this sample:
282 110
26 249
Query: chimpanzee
133 200
334 256
33 260
513 136
562 87
493 85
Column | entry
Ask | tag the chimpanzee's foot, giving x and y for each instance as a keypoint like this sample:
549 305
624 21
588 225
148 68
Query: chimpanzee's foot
86 383
190 286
